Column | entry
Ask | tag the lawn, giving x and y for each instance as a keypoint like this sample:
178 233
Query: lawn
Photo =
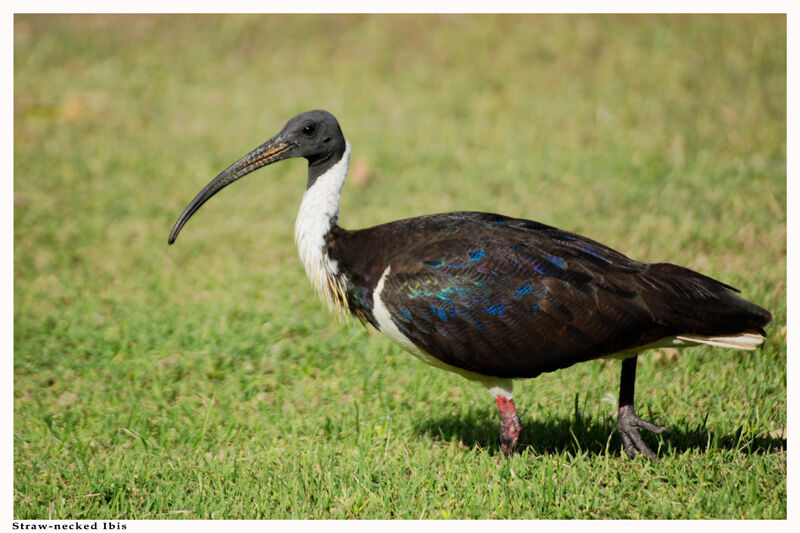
206 380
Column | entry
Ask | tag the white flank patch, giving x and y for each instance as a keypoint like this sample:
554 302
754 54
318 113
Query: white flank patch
318 212
497 386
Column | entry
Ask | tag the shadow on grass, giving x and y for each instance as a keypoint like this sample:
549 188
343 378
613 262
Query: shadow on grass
593 436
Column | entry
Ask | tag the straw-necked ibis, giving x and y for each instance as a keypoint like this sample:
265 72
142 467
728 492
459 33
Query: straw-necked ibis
490 297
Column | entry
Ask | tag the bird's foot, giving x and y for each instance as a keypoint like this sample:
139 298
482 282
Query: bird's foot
628 425
510 426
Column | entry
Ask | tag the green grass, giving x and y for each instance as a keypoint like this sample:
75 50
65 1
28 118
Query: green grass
205 380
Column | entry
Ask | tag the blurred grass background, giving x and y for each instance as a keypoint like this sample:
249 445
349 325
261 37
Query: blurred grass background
205 380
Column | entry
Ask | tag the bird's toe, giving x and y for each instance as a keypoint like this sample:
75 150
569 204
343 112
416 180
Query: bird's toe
628 425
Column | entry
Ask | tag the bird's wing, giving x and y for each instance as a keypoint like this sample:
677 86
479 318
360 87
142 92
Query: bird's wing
513 301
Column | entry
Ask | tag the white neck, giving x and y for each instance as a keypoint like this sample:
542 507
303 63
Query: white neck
318 213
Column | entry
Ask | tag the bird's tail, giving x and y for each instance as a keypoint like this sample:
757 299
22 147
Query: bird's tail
703 310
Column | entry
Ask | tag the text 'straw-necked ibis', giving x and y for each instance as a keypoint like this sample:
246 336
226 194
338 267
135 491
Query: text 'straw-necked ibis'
490 297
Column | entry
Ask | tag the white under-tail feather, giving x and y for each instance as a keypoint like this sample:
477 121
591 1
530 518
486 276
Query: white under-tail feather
742 341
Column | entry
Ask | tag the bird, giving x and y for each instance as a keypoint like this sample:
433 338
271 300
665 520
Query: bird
491 297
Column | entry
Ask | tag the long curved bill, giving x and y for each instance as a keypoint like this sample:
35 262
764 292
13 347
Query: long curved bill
271 151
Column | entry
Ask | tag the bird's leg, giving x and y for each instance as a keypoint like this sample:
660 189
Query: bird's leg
510 426
628 424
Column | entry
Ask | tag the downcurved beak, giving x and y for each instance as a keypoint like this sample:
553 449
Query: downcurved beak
271 151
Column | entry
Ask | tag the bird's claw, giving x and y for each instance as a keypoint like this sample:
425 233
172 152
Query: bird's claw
628 425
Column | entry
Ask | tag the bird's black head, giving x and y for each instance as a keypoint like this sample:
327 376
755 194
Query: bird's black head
314 135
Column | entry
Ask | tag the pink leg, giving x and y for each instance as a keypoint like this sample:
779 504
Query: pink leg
510 426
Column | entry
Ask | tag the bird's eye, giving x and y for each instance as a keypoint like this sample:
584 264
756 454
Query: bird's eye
309 130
